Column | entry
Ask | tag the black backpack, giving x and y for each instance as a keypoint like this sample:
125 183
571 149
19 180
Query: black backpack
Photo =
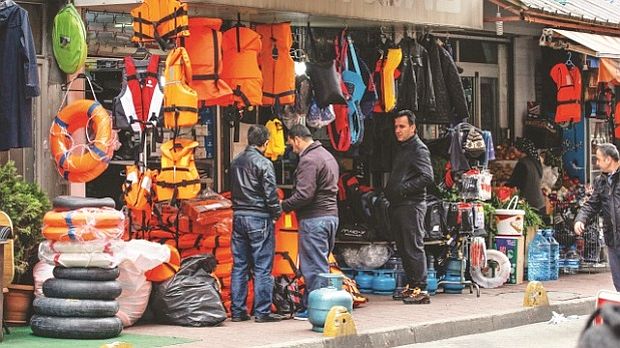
287 290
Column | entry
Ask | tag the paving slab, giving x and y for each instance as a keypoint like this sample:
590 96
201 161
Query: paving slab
387 323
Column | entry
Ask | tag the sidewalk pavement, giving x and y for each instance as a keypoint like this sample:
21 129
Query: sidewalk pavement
386 323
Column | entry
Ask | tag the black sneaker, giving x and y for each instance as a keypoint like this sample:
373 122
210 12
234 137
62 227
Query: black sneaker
270 318
243 317
417 296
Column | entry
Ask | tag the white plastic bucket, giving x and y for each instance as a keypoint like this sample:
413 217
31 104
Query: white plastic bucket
509 222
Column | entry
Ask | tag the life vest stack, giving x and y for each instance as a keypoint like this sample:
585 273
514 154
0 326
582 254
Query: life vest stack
204 47
159 20
241 46
180 100
276 64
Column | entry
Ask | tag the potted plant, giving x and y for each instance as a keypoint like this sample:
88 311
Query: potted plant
25 204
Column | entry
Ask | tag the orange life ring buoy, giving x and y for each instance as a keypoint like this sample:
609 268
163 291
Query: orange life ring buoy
82 162
166 270
96 217
80 233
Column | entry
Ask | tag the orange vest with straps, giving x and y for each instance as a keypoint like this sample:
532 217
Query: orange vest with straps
276 63
568 82
180 100
241 46
178 177
138 187
156 20
204 47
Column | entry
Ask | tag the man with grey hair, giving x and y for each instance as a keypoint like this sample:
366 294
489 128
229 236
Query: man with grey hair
605 199
255 208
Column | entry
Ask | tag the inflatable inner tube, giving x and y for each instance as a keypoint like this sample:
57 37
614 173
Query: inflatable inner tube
63 307
81 289
75 328
72 202
86 273
492 277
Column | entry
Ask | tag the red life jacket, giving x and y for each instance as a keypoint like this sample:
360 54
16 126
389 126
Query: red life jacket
617 121
240 46
140 101
276 63
568 82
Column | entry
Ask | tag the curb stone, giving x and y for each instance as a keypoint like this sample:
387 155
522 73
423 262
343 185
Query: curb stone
438 330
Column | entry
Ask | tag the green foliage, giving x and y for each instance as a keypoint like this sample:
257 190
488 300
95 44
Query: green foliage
25 204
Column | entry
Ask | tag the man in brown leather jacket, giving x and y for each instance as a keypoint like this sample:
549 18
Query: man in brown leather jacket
406 190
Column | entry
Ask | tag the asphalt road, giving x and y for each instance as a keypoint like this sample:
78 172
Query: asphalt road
540 335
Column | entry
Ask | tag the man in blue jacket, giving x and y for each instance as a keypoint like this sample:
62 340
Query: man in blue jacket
314 202
255 209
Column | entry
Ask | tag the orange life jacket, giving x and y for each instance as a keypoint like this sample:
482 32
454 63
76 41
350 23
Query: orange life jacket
178 177
204 47
138 187
240 46
180 100
155 20
276 63
568 82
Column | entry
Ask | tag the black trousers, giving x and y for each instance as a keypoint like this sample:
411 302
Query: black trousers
407 222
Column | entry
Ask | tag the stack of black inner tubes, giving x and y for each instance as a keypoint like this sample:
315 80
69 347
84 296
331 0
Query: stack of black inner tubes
79 303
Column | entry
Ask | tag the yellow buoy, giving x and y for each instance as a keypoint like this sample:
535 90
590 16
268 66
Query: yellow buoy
535 295
339 322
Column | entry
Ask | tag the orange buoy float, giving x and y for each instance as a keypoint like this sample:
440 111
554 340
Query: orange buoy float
80 233
82 162
95 217
166 270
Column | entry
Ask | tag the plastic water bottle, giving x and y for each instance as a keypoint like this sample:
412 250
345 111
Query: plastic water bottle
573 260
554 256
538 257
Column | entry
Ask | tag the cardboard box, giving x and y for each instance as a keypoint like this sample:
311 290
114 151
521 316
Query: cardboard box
513 248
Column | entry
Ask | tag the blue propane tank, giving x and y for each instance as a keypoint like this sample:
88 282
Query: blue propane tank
384 282
364 281
453 274
431 276
320 301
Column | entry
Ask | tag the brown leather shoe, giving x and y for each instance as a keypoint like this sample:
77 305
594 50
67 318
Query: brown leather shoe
417 296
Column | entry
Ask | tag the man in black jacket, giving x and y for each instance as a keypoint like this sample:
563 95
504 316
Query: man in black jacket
314 202
406 190
605 199
256 207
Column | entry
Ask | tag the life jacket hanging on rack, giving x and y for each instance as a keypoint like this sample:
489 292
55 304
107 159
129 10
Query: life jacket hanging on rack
141 97
204 47
568 82
159 20
276 63
178 177
240 46
180 100
138 188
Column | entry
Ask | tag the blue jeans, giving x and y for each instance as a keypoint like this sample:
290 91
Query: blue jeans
613 254
253 244
316 241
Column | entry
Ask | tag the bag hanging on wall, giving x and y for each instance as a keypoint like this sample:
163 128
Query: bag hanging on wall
325 79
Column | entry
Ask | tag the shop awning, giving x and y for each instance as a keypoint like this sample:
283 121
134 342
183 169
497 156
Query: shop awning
600 46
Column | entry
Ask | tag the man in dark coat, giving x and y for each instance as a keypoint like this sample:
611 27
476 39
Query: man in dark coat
20 79
314 202
527 176
605 199
256 207
411 173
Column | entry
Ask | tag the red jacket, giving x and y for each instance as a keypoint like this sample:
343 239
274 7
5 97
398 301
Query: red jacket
568 82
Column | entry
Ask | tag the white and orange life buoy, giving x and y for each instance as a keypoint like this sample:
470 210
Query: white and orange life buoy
82 162
96 217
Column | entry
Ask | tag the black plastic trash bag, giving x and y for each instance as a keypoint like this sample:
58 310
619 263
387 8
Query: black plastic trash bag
191 297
